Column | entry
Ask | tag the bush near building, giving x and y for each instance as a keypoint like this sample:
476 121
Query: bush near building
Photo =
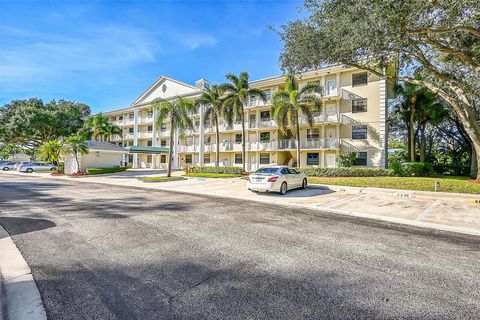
91 171
221 170
347 172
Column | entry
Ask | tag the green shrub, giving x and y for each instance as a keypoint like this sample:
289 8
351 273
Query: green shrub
91 171
205 169
416 169
451 170
347 172
347 160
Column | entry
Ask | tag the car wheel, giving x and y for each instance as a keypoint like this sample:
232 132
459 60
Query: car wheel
304 184
29 170
6 168
283 189
52 169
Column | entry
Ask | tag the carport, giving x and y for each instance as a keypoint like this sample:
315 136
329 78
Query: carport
149 157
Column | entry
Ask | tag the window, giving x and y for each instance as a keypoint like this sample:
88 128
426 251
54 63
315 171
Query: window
163 143
284 171
267 170
361 159
265 136
359 105
197 124
206 158
130 116
293 171
188 158
264 158
359 132
130 130
331 87
238 138
120 118
119 144
149 128
150 114
238 158
313 134
264 115
268 94
312 159
163 127
130 158
359 79
207 140
189 141
149 158
149 143
163 158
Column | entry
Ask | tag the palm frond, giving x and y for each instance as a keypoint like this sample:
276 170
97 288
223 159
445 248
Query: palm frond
310 88
307 112
257 93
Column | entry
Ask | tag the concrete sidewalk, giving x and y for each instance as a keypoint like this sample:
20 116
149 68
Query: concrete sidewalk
442 211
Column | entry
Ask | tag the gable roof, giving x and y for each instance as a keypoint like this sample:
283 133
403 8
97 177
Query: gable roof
152 90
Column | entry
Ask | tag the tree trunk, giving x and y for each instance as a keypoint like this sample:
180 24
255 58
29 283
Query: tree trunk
76 160
413 102
422 142
243 141
170 149
474 164
217 138
298 142
409 143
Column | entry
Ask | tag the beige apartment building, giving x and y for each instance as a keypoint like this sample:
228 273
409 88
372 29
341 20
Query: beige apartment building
353 119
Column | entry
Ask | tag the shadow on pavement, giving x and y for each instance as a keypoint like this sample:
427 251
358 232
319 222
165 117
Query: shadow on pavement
311 191
17 225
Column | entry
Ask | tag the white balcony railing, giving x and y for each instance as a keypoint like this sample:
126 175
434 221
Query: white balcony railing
267 123
188 148
258 103
145 119
144 134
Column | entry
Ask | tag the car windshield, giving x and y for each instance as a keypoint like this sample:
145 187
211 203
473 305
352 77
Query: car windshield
266 170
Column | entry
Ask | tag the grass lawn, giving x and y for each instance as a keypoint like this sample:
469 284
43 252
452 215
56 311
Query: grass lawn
161 179
447 184
212 175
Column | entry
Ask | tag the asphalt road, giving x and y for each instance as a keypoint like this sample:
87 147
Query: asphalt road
102 252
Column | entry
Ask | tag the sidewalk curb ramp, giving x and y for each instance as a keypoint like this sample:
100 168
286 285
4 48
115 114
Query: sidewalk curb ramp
19 296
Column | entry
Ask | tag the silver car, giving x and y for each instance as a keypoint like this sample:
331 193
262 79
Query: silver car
19 164
277 179
36 166
7 166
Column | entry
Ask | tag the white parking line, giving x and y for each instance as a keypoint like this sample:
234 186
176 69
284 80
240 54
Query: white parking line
427 210
338 202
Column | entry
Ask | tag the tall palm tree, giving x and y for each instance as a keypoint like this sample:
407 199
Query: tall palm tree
111 130
75 145
237 93
177 111
50 151
213 101
289 103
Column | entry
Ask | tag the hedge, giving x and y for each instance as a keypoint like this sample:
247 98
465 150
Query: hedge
347 172
451 170
205 169
91 171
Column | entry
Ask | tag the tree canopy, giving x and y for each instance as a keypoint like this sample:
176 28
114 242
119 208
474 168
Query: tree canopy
30 123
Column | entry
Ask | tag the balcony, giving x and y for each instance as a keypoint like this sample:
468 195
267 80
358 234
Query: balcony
209 129
261 145
330 143
144 134
128 121
129 136
267 123
236 126
331 117
252 124
148 119
258 103
188 148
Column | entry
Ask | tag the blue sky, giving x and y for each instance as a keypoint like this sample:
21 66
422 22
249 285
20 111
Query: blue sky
105 53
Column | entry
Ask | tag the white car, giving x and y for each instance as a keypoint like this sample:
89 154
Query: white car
276 179
36 166
7 166
19 164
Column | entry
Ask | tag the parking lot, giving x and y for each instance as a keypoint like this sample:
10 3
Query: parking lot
453 212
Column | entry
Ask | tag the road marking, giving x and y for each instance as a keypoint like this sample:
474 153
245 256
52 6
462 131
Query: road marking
337 202
427 210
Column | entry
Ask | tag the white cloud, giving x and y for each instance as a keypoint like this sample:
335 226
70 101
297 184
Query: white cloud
194 41
26 55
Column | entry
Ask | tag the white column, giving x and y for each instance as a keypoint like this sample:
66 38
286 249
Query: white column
135 137
201 137
154 128
337 83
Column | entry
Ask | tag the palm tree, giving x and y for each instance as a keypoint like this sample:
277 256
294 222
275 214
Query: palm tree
99 126
111 130
289 103
213 101
75 145
178 112
237 93
50 151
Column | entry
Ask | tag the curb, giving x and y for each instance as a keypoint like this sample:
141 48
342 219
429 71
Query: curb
20 297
